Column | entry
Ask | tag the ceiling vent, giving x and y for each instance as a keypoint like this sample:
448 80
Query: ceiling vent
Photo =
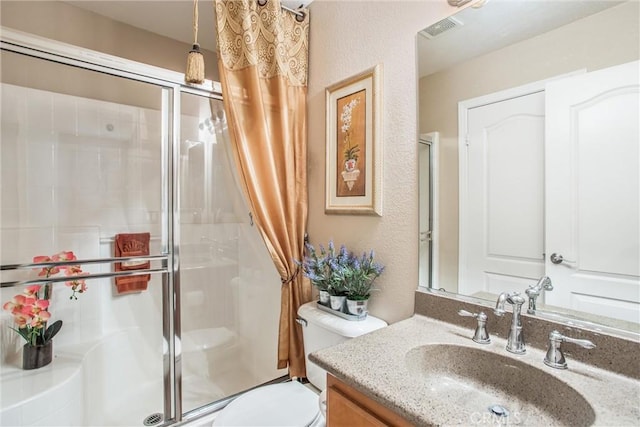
458 3
440 27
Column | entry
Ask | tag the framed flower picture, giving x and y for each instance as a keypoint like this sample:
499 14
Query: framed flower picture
354 156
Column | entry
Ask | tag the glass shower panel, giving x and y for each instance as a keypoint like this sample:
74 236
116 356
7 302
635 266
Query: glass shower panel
82 159
230 291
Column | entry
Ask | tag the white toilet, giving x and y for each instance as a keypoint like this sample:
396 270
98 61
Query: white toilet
291 403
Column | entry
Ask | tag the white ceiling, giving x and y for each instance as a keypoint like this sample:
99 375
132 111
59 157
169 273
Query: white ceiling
170 18
497 24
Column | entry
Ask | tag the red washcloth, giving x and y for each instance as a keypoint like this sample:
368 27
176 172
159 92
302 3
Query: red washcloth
129 245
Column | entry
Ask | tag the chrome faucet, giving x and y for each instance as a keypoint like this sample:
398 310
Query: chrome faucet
481 336
515 340
534 291
555 357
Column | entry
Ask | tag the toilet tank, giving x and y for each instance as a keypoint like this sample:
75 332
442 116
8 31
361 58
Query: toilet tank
323 330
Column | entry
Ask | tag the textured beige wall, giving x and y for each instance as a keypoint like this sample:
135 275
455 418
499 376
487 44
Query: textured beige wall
72 25
346 38
608 38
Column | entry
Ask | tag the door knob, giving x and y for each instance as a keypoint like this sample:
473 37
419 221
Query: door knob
556 258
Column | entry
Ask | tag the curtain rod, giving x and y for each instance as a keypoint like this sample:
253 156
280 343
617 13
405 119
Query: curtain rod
298 13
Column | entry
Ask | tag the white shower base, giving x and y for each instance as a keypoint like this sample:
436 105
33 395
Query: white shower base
117 380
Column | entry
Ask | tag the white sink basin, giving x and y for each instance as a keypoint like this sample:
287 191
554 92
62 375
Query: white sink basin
488 388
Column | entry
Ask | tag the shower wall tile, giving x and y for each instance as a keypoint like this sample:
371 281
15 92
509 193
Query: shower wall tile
82 317
40 207
87 118
38 133
87 164
9 193
64 162
40 109
10 133
13 104
39 162
64 114
73 171
66 206
108 120
10 217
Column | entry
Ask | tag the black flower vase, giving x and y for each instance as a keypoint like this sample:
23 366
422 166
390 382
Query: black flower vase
37 356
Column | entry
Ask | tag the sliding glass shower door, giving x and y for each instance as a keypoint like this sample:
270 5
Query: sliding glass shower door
229 288
83 164
133 175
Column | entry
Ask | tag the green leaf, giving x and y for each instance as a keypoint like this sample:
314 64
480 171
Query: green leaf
52 331
22 332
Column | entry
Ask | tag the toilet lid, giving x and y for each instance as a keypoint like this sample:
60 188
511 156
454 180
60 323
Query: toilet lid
286 404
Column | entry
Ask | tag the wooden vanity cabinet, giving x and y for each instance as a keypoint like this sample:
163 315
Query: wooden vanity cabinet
347 407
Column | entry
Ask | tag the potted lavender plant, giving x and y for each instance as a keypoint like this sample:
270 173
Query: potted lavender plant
341 276
316 267
358 275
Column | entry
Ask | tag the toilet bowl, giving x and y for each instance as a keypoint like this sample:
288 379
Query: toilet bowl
284 404
292 403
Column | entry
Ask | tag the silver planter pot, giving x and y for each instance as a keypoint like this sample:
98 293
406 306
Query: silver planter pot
324 297
337 302
357 307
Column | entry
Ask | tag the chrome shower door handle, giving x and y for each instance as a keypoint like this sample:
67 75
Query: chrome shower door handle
556 258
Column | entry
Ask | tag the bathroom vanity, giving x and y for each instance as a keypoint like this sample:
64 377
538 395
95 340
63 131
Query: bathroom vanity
423 371
351 407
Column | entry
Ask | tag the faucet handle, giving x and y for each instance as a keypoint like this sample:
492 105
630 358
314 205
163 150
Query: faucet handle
465 313
481 336
582 343
555 357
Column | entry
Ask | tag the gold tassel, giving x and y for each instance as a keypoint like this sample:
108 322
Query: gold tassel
195 59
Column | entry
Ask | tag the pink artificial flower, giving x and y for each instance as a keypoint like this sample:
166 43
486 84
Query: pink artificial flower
76 285
29 301
30 313
39 321
20 320
32 290
73 270
65 256
16 304
45 271
39 306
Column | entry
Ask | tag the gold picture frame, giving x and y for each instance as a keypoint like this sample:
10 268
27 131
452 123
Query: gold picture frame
353 153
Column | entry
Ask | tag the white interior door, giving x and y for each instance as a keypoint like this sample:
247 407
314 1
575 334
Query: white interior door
428 149
503 221
424 187
593 191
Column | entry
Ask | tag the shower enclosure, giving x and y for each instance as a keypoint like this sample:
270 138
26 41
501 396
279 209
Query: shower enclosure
94 147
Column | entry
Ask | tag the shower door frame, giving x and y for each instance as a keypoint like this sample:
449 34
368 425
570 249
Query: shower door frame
172 86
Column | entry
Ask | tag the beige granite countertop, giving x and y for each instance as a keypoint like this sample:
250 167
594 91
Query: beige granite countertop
376 365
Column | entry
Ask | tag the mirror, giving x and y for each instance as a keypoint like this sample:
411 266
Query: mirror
493 52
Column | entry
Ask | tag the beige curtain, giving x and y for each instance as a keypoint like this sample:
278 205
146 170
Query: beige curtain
262 58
